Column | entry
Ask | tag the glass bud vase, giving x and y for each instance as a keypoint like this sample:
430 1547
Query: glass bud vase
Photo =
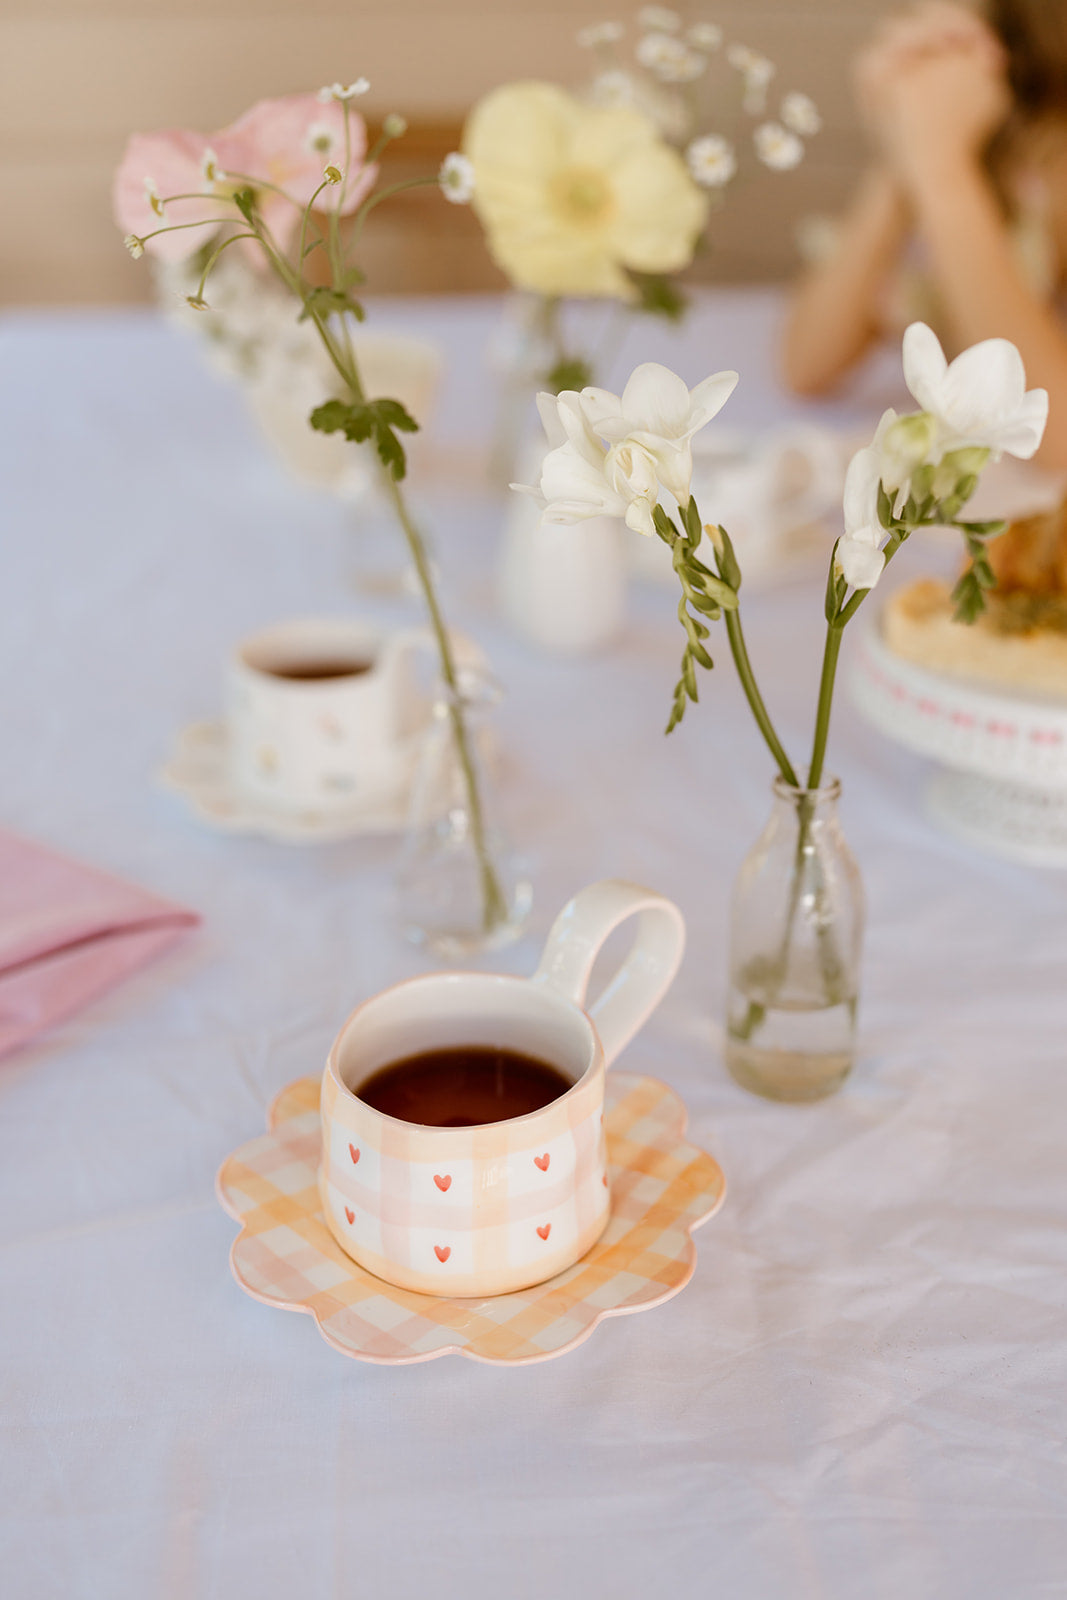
796 932
461 890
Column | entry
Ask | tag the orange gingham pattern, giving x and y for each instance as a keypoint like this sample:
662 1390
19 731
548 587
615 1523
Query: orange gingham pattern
661 1189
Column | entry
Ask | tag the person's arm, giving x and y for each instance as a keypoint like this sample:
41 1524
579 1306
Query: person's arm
939 114
982 285
834 313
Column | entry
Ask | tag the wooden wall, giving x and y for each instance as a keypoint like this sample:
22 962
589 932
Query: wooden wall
77 75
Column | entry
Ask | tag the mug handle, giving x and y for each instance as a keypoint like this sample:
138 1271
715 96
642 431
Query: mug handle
645 976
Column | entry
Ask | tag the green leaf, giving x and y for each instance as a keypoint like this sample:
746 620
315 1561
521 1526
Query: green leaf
571 372
245 201
726 559
968 598
361 420
691 518
338 416
659 297
885 508
327 302
394 415
664 526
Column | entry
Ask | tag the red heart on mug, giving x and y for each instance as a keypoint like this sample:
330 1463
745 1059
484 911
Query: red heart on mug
354 1153
351 1215
542 1161
444 1184
543 1233
442 1251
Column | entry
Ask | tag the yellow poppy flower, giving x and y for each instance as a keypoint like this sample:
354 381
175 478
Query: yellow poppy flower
570 195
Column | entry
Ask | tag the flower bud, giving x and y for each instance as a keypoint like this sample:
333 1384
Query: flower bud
395 126
905 446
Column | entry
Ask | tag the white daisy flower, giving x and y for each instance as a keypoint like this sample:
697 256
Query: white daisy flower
777 147
711 161
705 35
799 112
669 58
333 175
321 139
757 71
456 178
614 88
209 167
152 196
342 91
659 19
599 33
134 245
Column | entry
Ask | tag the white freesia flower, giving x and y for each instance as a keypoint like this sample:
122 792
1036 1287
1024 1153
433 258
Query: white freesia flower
456 178
777 147
659 18
980 399
658 412
705 35
800 113
711 160
858 556
613 455
599 33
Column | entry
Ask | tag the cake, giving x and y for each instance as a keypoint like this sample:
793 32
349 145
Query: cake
1020 642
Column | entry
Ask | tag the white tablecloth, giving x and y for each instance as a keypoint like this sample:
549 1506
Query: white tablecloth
860 1393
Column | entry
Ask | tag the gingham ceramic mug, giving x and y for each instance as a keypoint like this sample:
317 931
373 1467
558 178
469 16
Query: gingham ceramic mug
487 1209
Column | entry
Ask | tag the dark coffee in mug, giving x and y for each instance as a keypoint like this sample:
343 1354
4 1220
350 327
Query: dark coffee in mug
463 1087
318 671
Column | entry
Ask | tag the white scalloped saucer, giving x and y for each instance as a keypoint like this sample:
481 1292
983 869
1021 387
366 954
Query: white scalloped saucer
198 770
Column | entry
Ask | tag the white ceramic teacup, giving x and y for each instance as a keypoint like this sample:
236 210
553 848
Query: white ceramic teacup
321 713
485 1209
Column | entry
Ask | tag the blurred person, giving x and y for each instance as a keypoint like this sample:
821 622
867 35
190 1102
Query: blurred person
962 218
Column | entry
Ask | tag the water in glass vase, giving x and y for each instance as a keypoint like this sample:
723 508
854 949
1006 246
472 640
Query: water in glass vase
790 1050
796 928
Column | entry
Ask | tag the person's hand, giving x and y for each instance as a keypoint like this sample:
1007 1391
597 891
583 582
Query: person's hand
932 89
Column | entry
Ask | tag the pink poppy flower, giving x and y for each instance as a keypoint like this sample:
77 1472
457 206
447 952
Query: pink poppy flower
288 142
158 165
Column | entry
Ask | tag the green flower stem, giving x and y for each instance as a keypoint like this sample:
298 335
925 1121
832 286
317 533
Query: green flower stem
494 903
755 699
834 630
834 633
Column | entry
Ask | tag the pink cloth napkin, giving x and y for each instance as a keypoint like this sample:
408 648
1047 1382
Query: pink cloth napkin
68 933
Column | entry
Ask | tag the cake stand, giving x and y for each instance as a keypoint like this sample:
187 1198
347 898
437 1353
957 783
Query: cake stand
1001 776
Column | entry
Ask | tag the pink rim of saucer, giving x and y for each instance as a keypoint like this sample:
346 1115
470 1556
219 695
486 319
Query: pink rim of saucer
662 1189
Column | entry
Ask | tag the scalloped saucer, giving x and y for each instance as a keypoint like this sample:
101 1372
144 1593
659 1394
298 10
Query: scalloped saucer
199 772
662 1188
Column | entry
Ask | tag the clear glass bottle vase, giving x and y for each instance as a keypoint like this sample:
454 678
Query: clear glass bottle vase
461 890
796 934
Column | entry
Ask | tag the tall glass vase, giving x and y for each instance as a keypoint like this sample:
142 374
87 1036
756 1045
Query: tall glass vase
796 934
461 889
